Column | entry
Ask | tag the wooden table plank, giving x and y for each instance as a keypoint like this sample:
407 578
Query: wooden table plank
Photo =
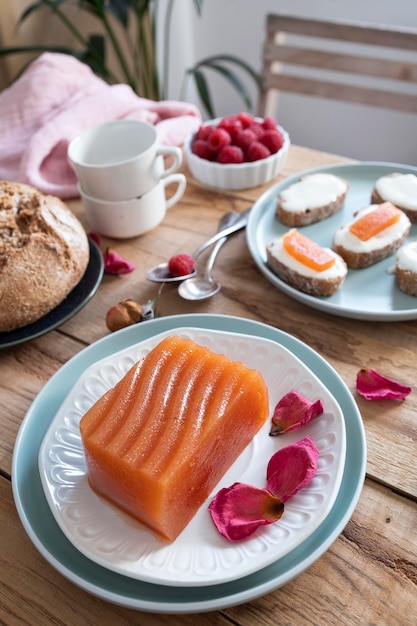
368 576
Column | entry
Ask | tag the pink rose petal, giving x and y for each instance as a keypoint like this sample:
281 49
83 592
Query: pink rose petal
292 468
94 237
293 411
374 386
115 264
239 510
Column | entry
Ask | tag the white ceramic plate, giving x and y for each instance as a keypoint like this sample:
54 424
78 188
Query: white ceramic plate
369 293
199 556
46 535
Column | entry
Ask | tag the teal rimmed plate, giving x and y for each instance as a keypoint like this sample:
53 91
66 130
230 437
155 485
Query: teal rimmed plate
46 535
370 293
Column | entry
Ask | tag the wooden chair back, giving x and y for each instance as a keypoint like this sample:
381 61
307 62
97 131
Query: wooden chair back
357 63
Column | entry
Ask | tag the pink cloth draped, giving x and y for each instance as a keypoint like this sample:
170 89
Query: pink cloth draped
57 98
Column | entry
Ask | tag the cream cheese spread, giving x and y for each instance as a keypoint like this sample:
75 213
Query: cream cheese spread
345 239
311 192
406 257
338 269
400 189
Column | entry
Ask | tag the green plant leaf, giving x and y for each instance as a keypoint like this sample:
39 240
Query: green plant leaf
95 56
198 5
228 58
37 5
26 49
234 80
203 91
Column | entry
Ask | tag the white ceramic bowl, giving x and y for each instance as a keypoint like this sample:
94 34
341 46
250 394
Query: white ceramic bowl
236 175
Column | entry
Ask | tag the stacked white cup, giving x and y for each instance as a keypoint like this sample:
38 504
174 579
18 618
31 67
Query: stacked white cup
122 177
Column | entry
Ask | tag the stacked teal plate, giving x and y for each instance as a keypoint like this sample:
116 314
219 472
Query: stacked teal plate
41 509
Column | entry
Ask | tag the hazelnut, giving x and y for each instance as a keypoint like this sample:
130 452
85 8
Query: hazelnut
123 314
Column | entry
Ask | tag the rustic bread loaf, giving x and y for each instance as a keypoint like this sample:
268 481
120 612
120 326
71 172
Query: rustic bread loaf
44 253
311 199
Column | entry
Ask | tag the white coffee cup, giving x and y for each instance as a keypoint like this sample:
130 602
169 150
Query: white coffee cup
121 159
129 218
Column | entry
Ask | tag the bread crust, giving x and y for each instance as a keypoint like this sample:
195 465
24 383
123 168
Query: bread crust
406 281
310 215
314 286
359 260
44 253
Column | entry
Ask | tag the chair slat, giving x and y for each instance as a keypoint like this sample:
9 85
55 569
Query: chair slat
347 93
386 36
280 55
367 66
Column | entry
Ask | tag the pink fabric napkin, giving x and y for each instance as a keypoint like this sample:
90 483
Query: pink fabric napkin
56 99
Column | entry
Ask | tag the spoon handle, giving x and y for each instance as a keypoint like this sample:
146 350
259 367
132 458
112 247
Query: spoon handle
241 223
212 257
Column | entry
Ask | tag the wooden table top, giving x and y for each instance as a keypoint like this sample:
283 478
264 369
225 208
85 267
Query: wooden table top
369 573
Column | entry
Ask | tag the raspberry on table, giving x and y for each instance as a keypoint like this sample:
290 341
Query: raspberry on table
201 148
219 138
181 264
273 140
257 151
230 154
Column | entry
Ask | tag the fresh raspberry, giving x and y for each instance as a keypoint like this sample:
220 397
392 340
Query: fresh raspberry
181 264
244 138
270 123
230 154
246 119
231 124
256 128
201 148
273 140
257 151
204 132
219 138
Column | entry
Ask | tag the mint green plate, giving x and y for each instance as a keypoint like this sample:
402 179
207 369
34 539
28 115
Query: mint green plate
46 535
369 293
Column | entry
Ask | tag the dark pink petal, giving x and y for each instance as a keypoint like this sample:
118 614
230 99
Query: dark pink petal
95 238
292 412
115 264
374 386
237 511
292 468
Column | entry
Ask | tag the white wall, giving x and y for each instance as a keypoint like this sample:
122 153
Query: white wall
237 27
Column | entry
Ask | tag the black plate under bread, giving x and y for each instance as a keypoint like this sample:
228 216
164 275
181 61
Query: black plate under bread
74 302
370 293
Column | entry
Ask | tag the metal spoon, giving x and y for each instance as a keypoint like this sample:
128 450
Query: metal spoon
161 274
200 287
203 286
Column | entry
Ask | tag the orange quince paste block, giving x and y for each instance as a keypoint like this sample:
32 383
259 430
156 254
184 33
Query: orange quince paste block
158 442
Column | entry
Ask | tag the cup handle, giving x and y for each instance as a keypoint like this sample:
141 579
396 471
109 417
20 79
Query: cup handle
182 183
176 154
